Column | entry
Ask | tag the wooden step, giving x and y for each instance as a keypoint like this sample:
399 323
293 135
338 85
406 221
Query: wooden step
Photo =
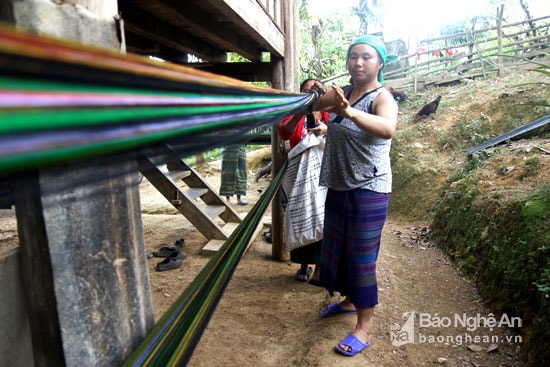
214 245
213 211
195 193
178 174
182 186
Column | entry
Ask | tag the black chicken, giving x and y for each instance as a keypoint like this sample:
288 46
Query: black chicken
429 108
397 95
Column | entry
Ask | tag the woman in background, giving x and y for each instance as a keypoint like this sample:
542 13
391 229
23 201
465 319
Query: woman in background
234 175
294 128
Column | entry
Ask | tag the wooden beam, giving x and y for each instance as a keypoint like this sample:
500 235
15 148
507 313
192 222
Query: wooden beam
246 71
37 273
139 45
219 31
172 37
190 22
15 332
257 23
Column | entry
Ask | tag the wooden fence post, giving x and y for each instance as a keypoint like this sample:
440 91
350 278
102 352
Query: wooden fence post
500 12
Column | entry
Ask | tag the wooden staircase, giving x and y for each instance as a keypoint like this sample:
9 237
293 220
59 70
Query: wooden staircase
193 197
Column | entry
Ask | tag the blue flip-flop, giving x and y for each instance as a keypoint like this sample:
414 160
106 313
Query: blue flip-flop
355 345
303 275
336 309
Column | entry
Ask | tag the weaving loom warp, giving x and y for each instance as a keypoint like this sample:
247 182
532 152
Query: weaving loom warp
63 102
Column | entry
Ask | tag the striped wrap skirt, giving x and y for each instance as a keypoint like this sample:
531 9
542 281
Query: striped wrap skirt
351 241
233 175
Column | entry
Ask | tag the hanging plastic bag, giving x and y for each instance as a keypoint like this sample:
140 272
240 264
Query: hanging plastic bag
305 199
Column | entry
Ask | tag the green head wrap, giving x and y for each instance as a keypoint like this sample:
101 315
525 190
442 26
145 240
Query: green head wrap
380 47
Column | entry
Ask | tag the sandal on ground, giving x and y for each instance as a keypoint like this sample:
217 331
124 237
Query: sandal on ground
172 262
303 275
165 251
179 243
179 255
354 346
242 202
336 309
169 250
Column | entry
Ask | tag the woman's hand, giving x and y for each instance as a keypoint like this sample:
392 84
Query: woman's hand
318 87
320 129
340 105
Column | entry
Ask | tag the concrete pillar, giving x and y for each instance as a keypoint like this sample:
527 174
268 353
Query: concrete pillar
84 262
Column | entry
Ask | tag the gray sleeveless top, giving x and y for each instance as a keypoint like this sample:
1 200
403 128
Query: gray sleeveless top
354 159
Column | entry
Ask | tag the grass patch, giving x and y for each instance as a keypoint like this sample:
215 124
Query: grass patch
503 246
489 212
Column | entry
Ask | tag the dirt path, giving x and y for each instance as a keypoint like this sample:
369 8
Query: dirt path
267 318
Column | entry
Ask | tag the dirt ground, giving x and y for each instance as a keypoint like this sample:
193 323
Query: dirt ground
267 318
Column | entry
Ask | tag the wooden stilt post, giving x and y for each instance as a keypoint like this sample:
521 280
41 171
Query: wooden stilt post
278 158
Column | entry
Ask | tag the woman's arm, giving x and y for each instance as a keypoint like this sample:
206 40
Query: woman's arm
291 124
382 123
325 100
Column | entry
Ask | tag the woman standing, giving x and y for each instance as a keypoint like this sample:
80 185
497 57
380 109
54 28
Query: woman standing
234 175
295 128
356 169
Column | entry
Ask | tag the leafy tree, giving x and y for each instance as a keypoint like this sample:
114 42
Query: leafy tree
324 43
528 16
463 28
368 14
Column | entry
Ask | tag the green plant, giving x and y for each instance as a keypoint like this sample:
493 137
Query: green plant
544 283
530 166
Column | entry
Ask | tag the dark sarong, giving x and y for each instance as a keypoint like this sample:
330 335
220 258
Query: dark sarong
309 254
351 242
